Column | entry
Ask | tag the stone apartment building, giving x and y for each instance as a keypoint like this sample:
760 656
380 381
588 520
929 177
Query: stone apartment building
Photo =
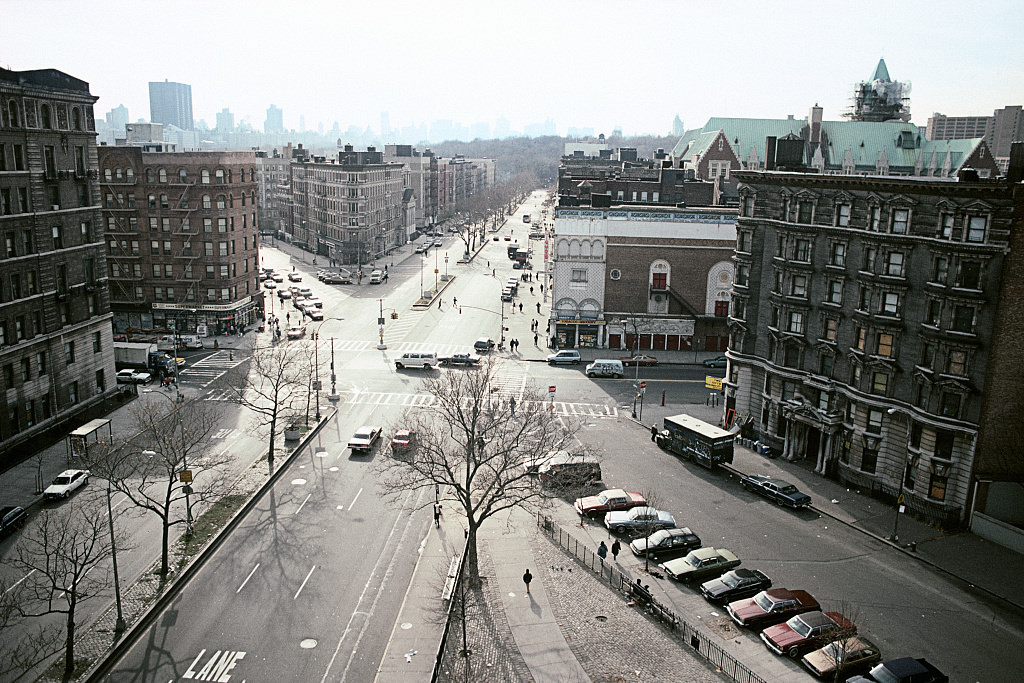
272 176
625 179
641 278
56 350
862 334
181 233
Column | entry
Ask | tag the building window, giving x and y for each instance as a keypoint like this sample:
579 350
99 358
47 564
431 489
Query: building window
743 241
946 226
835 292
204 177
890 303
69 352
837 254
806 212
869 460
58 237
743 275
869 259
97 342
976 228
934 314
900 221
831 329
825 364
862 335
722 309
894 265
940 269
796 322
963 319
950 404
969 276
748 206
937 487
802 251
874 422
843 215
885 341
879 383
863 298
956 363
614 274
875 219
798 286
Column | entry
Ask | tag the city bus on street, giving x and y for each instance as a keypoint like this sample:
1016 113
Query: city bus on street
696 440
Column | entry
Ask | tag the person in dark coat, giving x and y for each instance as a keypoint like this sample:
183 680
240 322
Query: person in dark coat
602 551
527 578
616 547
654 432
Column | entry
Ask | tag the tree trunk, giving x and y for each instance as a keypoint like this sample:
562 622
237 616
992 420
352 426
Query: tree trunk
165 531
273 431
472 571
69 644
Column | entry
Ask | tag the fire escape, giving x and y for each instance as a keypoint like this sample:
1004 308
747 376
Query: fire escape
186 254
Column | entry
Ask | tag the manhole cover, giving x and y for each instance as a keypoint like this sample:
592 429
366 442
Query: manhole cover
308 643
332 469
406 625
298 482
602 618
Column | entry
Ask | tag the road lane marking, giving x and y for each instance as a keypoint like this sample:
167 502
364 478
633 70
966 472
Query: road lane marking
303 503
353 503
247 578
15 585
216 668
304 582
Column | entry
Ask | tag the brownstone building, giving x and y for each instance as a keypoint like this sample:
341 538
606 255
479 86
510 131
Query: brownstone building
181 235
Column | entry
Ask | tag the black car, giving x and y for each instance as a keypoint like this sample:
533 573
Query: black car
776 490
666 543
459 359
11 518
735 585
904 670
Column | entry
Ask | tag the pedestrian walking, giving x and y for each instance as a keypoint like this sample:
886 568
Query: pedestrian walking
602 551
439 304
535 337
437 515
531 291
521 306
538 306
455 301
654 432
527 578
542 289
616 547
512 405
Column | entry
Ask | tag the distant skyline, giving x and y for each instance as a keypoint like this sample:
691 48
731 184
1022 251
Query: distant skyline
600 64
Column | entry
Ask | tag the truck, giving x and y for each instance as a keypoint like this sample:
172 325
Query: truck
696 440
138 356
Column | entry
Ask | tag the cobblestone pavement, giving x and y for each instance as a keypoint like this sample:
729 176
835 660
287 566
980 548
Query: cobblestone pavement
613 642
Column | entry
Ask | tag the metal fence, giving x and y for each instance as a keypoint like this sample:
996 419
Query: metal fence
689 635
453 595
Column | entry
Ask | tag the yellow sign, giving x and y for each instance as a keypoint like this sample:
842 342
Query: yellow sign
713 383
185 476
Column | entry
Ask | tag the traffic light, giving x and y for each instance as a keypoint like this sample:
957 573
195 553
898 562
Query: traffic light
394 316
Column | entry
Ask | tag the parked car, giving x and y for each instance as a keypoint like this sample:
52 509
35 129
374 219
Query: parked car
459 359
574 474
364 440
65 484
133 377
639 520
847 654
269 284
771 606
11 517
483 345
807 631
703 563
283 294
495 238
295 277
565 356
403 441
422 248
533 465
639 359
904 670
605 368
735 584
666 543
296 331
776 490
313 312
716 362
535 235
420 359
277 277
608 501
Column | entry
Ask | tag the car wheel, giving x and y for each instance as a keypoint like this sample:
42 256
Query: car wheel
794 653
399 366
590 374
618 375
64 495
781 503
575 362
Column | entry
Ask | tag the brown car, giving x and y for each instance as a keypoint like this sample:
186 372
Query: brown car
772 606
607 501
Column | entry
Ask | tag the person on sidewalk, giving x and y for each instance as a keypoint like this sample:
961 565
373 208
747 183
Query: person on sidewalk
654 432
538 306
527 578
437 515
602 551
521 306
535 338
616 547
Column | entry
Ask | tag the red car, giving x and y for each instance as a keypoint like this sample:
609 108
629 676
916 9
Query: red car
606 501
639 359
807 631
772 606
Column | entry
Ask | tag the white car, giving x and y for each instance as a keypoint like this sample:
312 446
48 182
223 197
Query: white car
133 377
313 312
277 277
65 483
296 331
269 284
295 277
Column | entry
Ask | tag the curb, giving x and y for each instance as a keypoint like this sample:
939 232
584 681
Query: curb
102 667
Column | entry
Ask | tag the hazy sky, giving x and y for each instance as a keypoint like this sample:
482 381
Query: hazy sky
634 64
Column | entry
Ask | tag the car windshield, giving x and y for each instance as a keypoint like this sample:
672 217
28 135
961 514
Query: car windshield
692 560
731 580
883 675
603 499
789 488
657 537
834 651
764 602
60 481
363 434
799 627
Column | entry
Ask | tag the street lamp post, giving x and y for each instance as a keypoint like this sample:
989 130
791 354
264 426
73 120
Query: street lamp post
894 537
446 266
316 365
380 327
119 624
334 394
436 269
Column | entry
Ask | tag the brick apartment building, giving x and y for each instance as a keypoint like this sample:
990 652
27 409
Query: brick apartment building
56 351
181 231
875 330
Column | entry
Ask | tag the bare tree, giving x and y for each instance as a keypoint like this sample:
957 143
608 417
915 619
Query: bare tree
148 467
472 448
64 556
275 387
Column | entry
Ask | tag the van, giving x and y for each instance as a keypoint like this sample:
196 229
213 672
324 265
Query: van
190 341
417 359
565 356
577 474
376 277
605 368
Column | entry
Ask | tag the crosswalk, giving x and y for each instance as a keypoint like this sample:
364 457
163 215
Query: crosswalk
405 400
208 370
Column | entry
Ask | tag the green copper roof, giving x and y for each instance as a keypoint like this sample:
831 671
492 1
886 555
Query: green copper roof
881 73
867 140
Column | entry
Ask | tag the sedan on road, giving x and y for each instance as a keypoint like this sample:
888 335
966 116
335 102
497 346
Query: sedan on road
807 631
459 359
11 517
716 362
403 441
638 520
772 606
639 359
364 439
704 563
850 655
66 483
337 279
608 501
296 331
776 490
734 585
666 543
133 377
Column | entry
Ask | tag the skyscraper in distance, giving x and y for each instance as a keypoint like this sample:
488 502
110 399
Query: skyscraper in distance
171 103
275 120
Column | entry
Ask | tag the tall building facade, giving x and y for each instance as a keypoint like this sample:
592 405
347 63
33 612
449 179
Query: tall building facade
181 232
56 350
275 120
1000 130
863 313
171 103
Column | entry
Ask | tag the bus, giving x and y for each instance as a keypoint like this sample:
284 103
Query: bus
696 440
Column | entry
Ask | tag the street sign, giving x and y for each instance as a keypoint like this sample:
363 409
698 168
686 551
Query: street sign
380 321
185 476
551 389
643 385
316 385
713 383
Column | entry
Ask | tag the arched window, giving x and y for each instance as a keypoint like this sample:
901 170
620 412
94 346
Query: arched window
585 249
206 201
243 199
44 116
229 175
252 197
76 118
574 248
150 176
12 109
163 201
563 248
242 174
220 176
129 174
252 175
108 175
182 176
659 274
163 175
204 177
221 202
117 174
598 249
231 201
566 309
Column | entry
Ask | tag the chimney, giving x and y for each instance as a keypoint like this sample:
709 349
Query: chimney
1015 171
769 153
815 123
